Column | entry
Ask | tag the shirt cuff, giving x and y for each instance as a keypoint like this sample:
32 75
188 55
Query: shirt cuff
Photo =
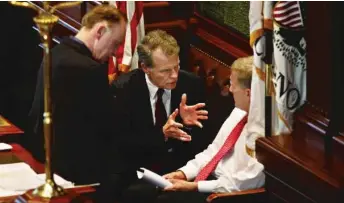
189 171
207 186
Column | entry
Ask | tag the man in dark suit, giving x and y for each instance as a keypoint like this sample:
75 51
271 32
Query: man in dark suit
80 97
159 109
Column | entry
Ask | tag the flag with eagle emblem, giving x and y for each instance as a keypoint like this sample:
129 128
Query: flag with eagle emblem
285 19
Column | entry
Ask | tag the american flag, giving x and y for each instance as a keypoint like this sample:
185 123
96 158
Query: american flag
288 14
126 55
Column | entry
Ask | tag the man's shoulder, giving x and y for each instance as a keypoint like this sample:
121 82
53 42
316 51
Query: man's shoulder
64 55
235 116
128 79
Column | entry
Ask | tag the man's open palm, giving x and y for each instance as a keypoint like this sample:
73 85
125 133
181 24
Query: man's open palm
191 114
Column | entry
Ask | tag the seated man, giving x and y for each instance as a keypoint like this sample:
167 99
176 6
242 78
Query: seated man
155 118
225 165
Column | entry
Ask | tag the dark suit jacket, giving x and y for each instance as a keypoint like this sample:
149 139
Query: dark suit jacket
140 143
81 112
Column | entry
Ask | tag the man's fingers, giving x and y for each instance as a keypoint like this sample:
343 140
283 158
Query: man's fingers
199 105
177 125
169 188
174 114
179 134
202 117
183 100
202 112
173 181
199 124
186 138
183 136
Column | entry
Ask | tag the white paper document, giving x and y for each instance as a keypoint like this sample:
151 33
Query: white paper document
16 178
4 146
153 178
58 180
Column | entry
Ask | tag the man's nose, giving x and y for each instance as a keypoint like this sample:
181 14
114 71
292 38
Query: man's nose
174 74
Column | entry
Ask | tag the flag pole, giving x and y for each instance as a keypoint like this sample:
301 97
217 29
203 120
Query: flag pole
268 89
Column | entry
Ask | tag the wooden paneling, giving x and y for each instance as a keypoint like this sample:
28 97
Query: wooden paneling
215 73
319 55
300 166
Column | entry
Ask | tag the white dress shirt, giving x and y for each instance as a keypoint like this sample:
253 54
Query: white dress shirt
236 171
166 97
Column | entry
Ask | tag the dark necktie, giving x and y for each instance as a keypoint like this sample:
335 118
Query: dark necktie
160 112
227 146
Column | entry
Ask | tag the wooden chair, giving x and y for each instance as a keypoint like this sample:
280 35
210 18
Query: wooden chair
247 196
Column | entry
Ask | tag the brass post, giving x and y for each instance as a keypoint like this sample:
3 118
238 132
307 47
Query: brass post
268 88
45 21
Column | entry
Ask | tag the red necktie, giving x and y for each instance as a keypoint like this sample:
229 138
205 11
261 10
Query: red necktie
160 112
226 147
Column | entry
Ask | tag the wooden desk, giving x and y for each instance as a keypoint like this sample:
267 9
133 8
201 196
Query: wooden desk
8 131
6 127
298 169
19 154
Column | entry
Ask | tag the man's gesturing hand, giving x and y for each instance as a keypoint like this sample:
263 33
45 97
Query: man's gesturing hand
190 114
172 129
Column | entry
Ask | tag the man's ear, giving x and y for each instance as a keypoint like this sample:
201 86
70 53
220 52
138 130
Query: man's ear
100 30
144 68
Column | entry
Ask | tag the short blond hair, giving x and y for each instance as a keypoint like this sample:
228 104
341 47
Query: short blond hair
243 66
154 40
100 13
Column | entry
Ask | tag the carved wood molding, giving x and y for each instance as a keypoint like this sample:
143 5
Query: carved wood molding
313 117
230 41
179 24
318 120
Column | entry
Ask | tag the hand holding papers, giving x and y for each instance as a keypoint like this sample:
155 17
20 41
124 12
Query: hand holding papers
153 178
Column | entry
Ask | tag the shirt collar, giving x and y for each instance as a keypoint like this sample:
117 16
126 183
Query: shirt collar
77 40
153 88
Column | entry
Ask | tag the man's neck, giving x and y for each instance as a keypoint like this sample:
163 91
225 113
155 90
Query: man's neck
84 36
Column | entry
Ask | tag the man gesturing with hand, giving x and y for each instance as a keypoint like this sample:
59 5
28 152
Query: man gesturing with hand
160 110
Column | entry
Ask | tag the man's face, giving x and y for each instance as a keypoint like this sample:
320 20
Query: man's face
164 73
241 95
107 40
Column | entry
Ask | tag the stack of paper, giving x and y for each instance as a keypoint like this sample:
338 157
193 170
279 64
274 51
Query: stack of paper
153 178
16 178
5 147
